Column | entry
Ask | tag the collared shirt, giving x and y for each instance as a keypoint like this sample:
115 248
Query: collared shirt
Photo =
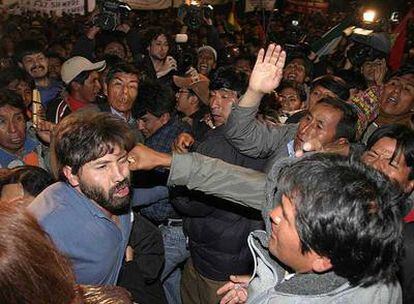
81 231
130 121
29 155
291 148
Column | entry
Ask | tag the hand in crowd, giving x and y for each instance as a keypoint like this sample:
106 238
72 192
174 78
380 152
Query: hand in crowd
235 290
92 31
182 143
314 145
144 158
129 254
379 72
169 64
125 28
44 130
268 70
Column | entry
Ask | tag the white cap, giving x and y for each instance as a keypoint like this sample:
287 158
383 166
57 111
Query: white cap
76 65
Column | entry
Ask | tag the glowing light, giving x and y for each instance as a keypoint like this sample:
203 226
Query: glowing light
369 16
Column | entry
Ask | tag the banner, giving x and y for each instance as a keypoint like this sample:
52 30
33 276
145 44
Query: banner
57 6
307 7
252 5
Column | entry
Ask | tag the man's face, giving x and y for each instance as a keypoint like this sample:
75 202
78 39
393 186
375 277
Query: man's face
159 47
368 69
122 91
36 65
183 100
91 87
318 93
22 88
54 67
295 71
398 95
289 100
320 123
12 129
205 62
284 242
115 48
380 158
244 66
106 180
148 124
221 102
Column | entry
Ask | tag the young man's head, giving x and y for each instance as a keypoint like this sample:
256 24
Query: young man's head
31 57
16 80
121 87
90 153
158 43
328 86
397 97
206 60
12 121
330 120
226 87
55 65
155 107
192 94
298 69
116 48
390 149
82 78
336 214
291 96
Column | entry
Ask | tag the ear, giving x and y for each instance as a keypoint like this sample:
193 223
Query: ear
72 178
342 141
409 187
321 264
75 86
165 118
193 99
20 65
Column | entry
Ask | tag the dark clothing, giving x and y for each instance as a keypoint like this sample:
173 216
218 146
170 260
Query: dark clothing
141 276
295 118
407 264
218 232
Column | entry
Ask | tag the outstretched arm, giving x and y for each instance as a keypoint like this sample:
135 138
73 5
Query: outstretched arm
266 75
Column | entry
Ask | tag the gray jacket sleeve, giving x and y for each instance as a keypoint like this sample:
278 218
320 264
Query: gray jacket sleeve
216 177
250 136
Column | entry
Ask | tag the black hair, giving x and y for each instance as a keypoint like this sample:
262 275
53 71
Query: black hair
404 70
153 33
352 78
347 126
333 84
33 179
85 136
347 212
229 78
405 139
306 63
120 67
154 98
8 75
10 98
299 88
28 47
81 78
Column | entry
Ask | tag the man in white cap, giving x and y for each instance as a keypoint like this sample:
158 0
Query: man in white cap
206 60
82 85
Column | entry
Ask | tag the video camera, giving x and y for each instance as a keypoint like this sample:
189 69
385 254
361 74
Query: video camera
110 14
194 14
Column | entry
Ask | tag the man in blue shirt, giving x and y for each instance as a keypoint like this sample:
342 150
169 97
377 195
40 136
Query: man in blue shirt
87 213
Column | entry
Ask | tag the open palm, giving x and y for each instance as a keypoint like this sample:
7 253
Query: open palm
268 69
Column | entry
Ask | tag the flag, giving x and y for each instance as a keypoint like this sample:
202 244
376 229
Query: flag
400 36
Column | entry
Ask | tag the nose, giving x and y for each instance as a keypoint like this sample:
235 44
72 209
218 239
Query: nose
141 125
11 127
117 174
214 102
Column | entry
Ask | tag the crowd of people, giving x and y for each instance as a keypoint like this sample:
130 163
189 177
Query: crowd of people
174 160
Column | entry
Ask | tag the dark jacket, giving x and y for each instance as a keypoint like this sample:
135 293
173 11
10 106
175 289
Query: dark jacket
218 231
141 276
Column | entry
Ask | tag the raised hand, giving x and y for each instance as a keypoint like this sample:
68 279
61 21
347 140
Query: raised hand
144 158
268 70
182 143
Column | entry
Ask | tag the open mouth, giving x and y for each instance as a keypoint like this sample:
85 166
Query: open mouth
291 76
392 100
122 192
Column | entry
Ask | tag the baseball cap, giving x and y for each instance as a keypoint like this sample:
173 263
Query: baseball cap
208 48
198 84
76 65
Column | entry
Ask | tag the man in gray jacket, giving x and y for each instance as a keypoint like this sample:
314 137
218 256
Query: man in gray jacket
333 230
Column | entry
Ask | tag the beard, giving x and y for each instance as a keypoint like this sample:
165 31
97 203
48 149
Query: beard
110 201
